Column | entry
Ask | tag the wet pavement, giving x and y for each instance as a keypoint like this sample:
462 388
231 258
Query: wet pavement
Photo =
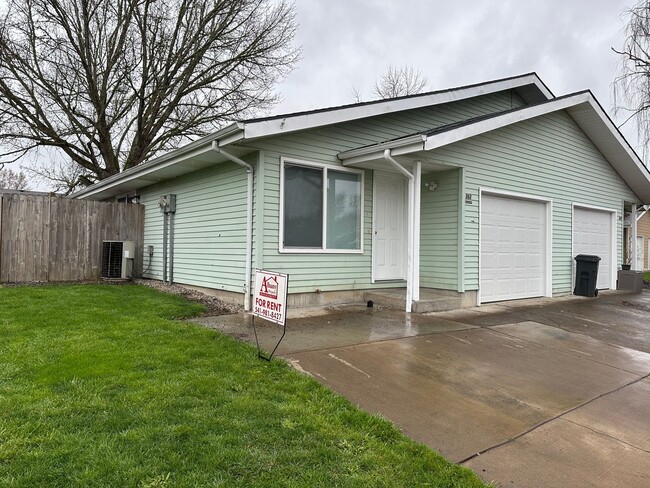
548 392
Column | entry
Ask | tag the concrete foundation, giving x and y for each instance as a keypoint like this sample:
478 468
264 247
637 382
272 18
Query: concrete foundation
431 300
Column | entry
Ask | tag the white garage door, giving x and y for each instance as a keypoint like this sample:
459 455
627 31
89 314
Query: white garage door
513 248
592 234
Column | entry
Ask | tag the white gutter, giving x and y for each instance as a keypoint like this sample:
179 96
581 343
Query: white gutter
413 232
249 220
418 140
336 115
232 132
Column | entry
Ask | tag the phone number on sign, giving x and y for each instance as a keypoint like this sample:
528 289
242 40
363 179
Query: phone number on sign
266 313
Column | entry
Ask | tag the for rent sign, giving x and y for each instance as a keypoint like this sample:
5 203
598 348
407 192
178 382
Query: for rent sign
270 296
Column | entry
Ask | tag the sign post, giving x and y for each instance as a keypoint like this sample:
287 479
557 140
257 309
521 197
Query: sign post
270 303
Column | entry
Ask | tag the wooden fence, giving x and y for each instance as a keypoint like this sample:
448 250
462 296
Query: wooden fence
49 238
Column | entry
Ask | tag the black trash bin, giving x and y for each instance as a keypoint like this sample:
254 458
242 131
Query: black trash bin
586 275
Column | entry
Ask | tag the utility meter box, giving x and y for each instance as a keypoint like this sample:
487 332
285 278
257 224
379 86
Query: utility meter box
167 203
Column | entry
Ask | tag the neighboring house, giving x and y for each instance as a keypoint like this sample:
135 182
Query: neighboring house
485 191
643 240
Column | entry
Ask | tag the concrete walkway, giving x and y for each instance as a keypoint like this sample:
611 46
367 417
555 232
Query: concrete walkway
530 393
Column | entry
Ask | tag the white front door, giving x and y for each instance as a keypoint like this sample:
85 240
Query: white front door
592 234
389 227
640 253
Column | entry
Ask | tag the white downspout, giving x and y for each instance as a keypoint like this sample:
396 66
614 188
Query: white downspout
250 171
417 198
634 243
411 193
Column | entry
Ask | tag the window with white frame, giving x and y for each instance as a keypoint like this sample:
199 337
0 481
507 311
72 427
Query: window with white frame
321 208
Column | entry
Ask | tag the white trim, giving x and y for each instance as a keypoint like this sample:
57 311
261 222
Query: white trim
405 145
582 107
337 115
548 203
196 148
613 258
587 206
250 185
417 208
517 195
449 137
635 252
480 248
373 239
325 167
373 279
640 252
461 230
410 231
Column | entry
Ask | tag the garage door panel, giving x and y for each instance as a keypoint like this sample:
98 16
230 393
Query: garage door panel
592 234
513 248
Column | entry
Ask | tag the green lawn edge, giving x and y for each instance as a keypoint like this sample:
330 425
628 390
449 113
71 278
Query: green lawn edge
101 386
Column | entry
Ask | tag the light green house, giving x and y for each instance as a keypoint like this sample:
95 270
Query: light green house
480 193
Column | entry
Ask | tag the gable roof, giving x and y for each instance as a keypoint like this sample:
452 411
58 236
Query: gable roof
198 154
583 108
529 86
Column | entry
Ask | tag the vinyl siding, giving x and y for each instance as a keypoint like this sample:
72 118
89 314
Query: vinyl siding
549 157
439 231
338 271
312 272
209 227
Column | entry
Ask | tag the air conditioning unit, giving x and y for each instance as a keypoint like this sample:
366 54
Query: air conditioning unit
117 259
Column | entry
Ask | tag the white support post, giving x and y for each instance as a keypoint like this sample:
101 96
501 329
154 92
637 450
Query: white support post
634 243
409 266
410 230
417 184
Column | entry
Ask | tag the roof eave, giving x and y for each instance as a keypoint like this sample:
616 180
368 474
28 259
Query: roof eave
580 106
293 123
227 135
398 147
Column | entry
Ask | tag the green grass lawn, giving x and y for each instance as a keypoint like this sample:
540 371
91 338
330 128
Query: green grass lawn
99 386
646 276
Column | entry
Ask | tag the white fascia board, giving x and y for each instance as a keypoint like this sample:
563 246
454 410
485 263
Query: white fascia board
298 122
435 141
138 175
406 145
579 106
621 145
231 133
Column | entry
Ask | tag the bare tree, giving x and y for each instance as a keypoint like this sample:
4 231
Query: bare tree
111 83
61 175
632 86
12 180
398 82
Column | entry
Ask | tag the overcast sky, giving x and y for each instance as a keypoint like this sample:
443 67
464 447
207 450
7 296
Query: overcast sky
349 43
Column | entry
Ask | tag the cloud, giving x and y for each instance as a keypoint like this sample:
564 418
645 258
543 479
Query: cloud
346 44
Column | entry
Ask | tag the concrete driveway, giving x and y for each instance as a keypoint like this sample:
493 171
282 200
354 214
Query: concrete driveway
549 392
